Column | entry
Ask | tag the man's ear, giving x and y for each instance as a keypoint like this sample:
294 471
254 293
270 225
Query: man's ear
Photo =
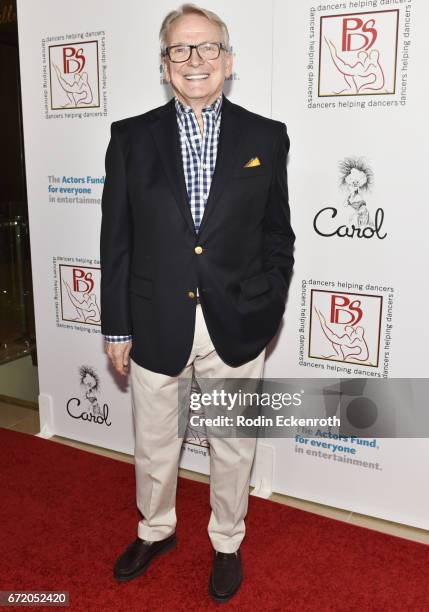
165 69
229 63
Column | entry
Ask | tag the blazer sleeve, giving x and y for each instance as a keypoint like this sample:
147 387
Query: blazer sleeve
279 237
115 242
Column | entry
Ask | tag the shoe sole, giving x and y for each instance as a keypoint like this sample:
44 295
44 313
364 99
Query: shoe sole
223 598
142 569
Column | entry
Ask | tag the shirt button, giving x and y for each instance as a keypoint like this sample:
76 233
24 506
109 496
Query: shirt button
198 250
191 294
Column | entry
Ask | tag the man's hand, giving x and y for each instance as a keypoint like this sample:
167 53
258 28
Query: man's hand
118 353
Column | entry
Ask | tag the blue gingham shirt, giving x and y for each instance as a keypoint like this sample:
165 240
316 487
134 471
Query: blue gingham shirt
199 152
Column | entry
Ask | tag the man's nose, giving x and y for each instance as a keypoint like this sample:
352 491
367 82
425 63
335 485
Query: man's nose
195 59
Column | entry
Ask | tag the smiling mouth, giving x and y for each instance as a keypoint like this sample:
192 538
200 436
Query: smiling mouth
196 77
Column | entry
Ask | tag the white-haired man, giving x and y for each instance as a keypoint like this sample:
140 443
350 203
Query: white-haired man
196 258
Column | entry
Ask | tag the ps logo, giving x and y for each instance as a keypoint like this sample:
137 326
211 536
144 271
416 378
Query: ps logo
352 27
80 286
358 53
345 310
345 327
74 75
82 280
73 60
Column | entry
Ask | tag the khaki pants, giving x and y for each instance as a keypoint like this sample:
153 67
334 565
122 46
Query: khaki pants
157 448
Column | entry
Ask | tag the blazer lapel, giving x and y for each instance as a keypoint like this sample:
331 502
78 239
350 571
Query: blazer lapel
229 139
167 139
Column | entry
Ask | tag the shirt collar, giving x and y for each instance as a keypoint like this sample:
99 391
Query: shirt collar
214 108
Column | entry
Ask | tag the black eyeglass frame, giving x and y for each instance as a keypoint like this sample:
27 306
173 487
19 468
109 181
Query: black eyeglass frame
219 45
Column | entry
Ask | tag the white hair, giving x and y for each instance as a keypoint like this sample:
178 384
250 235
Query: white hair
189 9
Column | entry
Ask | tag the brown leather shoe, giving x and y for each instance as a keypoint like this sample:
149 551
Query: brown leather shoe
226 576
138 555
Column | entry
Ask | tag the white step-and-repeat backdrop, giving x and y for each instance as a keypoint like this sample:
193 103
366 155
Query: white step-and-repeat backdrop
350 81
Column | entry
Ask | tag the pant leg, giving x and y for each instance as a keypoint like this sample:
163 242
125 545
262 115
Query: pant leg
157 444
230 459
157 450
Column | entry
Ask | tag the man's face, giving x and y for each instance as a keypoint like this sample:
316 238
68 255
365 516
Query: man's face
195 29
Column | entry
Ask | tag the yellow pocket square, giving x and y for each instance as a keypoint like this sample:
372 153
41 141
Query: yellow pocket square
254 161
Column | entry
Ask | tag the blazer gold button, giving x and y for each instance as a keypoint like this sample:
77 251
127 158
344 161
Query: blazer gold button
198 250
191 294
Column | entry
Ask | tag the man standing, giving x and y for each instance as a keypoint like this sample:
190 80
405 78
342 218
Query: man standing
196 259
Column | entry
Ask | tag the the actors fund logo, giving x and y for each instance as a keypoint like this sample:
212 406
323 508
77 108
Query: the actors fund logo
352 218
358 53
80 288
74 75
88 406
345 327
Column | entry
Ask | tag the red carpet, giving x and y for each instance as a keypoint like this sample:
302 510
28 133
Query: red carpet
67 514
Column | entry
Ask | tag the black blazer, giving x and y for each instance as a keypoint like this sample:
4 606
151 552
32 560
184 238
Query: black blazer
150 270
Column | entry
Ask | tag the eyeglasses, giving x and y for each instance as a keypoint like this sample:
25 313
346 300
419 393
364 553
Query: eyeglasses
205 50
